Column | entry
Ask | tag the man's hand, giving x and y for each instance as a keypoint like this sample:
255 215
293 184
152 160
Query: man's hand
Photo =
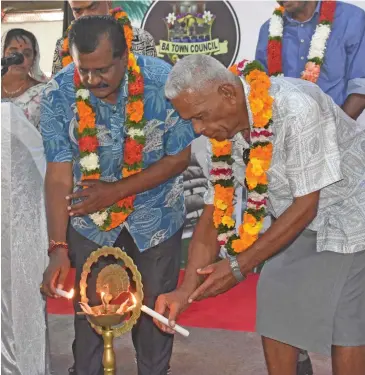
55 274
171 305
97 196
219 279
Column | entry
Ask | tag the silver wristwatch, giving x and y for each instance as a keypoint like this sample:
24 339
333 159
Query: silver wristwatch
235 268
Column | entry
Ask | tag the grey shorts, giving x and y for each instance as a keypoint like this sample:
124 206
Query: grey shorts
312 300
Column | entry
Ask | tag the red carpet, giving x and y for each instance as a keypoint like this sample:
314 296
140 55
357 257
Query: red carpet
234 310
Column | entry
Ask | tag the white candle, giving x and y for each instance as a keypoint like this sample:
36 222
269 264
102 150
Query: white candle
65 294
164 320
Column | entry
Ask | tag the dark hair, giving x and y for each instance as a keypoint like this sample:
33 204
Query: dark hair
86 32
20 34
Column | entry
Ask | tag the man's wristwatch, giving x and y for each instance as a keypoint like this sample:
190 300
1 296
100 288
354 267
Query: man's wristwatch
235 268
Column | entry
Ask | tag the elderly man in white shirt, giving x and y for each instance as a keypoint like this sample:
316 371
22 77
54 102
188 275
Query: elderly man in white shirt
313 187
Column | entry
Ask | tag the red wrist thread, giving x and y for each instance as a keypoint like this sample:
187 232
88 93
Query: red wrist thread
54 245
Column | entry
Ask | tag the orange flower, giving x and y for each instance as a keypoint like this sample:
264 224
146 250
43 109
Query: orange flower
83 109
127 203
66 61
221 148
128 34
65 44
262 180
87 122
261 77
262 152
260 121
127 172
217 217
117 218
249 219
135 110
229 210
94 176
120 15
224 194
234 69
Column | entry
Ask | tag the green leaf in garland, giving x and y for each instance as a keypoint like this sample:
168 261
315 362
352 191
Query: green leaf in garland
254 65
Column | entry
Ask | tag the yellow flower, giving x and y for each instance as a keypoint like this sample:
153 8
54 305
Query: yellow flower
256 105
220 204
257 167
252 229
228 221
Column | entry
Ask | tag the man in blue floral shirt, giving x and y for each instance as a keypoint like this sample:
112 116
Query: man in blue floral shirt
151 235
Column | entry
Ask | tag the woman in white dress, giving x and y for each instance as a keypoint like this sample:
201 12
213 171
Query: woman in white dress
23 84
24 242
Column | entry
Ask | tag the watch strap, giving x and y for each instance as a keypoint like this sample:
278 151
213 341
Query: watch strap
235 268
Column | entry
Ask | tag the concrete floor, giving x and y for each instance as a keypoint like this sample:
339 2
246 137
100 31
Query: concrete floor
205 352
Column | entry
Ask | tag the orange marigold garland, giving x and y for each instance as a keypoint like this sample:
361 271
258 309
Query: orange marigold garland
115 215
256 172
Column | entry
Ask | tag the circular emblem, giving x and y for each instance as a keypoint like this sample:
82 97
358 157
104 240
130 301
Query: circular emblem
182 28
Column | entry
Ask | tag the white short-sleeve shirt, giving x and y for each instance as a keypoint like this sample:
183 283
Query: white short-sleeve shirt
316 146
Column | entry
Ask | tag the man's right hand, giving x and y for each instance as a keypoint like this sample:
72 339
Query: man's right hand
55 274
171 305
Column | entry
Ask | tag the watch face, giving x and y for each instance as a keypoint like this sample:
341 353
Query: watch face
246 155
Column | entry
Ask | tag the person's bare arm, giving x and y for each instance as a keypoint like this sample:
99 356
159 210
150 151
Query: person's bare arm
219 276
354 105
284 230
203 249
58 184
101 195
156 174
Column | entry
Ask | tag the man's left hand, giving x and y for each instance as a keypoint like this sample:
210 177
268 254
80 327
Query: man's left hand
219 279
97 195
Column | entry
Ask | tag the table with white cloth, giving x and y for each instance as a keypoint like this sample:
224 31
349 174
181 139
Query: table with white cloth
24 340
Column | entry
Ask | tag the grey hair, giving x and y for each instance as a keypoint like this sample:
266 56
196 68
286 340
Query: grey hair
196 72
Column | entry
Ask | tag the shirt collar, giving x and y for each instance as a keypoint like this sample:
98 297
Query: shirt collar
316 12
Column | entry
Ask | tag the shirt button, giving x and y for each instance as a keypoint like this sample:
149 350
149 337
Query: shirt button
302 58
301 25
302 40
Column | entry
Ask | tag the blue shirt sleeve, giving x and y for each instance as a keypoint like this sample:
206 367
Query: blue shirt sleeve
179 133
54 124
356 55
261 48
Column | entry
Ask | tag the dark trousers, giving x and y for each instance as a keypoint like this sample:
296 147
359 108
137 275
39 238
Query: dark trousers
159 267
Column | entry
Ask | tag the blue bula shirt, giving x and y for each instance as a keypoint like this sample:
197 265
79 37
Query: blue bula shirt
160 212
343 70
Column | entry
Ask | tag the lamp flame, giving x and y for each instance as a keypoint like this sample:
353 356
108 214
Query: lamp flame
71 293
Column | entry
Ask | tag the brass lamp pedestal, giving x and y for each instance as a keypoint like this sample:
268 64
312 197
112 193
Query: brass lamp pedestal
108 320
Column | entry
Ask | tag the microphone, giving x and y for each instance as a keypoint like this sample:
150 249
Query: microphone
15 58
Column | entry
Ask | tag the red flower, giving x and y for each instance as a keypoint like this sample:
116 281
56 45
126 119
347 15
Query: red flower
88 144
132 152
136 87
257 203
274 57
218 171
328 9
265 133
127 202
